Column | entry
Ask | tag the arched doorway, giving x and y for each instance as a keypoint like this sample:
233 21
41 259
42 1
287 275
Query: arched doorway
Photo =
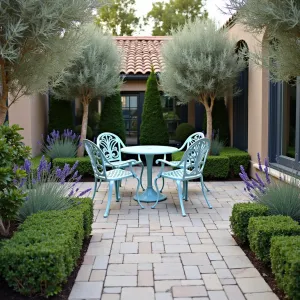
240 105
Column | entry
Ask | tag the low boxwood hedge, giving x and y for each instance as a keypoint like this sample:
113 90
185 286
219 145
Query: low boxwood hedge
262 229
285 262
41 255
241 213
84 167
227 163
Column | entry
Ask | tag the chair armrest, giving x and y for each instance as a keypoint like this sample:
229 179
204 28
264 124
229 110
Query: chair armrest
165 162
127 162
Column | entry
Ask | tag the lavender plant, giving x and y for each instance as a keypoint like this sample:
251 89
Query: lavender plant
280 197
49 189
59 145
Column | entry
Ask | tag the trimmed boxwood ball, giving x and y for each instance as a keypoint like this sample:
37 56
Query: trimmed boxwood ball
154 129
89 131
183 131
262 229
111 119
285 262
241 213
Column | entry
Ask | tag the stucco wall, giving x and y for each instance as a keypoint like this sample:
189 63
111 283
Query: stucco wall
31 113
258 95
134 86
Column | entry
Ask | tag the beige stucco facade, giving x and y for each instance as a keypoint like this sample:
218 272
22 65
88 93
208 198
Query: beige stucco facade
258 95
31 113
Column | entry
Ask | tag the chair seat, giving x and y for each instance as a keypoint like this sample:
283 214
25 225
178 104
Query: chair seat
118 163
116 174
174 174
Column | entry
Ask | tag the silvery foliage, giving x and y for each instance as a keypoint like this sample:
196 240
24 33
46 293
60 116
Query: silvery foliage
95 73
200 61
39 38
279 21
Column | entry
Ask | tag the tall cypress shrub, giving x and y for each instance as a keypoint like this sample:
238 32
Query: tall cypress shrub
111 119
154 129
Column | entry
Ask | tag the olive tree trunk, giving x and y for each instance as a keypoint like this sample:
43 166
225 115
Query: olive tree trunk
84 124
209 120
4 95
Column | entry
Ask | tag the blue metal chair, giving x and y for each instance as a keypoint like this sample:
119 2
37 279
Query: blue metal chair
188 142
190 167
111 145
114 176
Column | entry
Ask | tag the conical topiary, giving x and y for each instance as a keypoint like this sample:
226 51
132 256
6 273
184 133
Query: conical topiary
154 129
111 119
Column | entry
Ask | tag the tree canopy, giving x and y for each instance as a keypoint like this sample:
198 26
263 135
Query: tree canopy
168 15
37 42
201 63
95 73
119 18
280 21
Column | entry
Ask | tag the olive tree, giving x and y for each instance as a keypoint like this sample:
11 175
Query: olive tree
280 21
94 74
37 41
200 63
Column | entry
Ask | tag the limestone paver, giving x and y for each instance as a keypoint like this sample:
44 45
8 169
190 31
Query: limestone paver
156 254
145 293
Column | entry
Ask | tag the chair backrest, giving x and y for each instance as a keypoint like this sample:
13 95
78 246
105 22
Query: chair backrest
194 158
97 158
110 144
192 139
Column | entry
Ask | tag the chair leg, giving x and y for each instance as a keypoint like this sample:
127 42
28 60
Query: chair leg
178 182
100 181
110 190
204 192
207 189
117 187
157 190
95 188
141 177
137 192
163 184
185 190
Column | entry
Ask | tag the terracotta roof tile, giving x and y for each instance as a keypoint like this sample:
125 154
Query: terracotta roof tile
139 53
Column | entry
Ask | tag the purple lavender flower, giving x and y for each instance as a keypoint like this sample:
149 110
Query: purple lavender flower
259 162
84 192
27 166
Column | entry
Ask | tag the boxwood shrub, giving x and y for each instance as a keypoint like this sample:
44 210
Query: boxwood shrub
41 255
262 229
285 262
227 163
241 213
84 167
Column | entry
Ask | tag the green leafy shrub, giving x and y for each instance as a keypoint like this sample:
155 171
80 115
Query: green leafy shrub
41 255
237 158
262 229
84 166
232 155
285 262
112 117
239 220
89 131
12 152
183 131
60 115
154 129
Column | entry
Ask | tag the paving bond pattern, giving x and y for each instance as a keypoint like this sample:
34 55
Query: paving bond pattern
156 254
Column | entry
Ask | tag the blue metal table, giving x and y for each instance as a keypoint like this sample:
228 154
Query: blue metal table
149 195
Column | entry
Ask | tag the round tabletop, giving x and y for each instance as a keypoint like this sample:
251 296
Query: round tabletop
149 150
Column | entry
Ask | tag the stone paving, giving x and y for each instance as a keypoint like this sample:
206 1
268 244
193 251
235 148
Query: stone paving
156 254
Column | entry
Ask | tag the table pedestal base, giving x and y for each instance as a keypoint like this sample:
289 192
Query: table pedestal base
150 195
